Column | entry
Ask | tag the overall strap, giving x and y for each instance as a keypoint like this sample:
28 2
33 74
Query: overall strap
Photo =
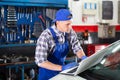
54 35
66 35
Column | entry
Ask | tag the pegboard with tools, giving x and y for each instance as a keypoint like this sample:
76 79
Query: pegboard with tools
23 24
22 21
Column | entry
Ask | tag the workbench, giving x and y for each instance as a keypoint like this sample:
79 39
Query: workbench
16 66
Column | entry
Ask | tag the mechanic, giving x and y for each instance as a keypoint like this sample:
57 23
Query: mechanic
53 45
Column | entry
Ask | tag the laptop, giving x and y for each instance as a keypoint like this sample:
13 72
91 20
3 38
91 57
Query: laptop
84 64
92 60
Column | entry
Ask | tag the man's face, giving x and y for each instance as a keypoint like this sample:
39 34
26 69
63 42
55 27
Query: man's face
64 26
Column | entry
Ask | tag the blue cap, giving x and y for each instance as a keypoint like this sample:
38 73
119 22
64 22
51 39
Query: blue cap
62 15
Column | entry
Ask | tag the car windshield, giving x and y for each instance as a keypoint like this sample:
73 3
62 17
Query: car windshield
109 66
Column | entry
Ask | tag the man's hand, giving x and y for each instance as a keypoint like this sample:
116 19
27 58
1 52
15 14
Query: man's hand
70 65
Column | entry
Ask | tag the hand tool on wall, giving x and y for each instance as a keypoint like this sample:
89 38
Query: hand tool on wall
11 17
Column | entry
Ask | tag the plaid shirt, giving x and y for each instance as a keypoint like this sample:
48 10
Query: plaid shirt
45 43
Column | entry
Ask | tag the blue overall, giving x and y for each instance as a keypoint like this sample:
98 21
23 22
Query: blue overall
57 57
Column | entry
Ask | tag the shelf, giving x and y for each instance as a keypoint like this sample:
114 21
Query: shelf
43 3
16 45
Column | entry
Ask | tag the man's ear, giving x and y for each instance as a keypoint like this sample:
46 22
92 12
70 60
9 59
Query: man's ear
57 22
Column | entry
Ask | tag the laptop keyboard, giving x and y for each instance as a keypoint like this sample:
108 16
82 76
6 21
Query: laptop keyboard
73 70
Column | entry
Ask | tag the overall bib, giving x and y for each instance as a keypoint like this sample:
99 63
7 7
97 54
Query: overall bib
57 57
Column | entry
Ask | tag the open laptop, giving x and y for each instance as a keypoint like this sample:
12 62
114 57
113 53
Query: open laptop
91 60
84 64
